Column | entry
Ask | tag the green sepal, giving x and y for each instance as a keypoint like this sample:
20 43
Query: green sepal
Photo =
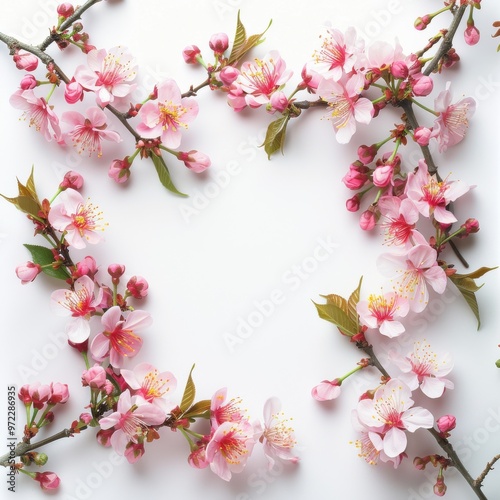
334 314
189 393
164 174
242 44
45 258
275 136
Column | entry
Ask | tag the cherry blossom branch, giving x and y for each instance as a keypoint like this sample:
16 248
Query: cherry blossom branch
444 444
23 448
489 466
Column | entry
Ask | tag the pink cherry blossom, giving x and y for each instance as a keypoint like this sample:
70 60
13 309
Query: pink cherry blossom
59 393
94 377
391 411
277 436
39 113
220 412
380 311
79 303
445 424
430 196
39 394
137 286
453 120
381 55
326 390
146 381
412 272
80 220
48 480
88 132
109 75
346 105
230 447
28 272
260 78
338 53
398 219
119 339
73 92
130 420
195 161
168 115
422 367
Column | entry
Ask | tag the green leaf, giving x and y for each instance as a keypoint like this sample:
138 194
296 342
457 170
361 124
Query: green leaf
275 135
336 300
164 174
30 185
477 273
332 313
27 199
199 408
44 257
467 284
353 302
470 298
242 44
189 393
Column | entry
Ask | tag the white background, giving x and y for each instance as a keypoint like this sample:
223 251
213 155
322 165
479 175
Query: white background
210 271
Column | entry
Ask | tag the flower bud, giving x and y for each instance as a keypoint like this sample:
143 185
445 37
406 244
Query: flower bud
48 480
382 175
446 423
228 74
310 79
28 82
94 377
73 92
399 69
470 226
422 22
86 267
24 395
40 458
65 10
191 54
137 286
326 390
366 154
279 101
440 487
194 160
423 86
367 220
25 60
219 43
352 204
422 136
471 34
119 170
28 272
60 393
80 346
116 272
71 180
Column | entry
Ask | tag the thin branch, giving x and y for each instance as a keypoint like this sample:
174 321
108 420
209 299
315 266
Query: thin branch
489 466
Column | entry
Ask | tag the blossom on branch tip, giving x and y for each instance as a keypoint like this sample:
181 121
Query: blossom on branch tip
109 75
88 131
25 60
38 112
195 161
80 220
167 116
326 390
28 272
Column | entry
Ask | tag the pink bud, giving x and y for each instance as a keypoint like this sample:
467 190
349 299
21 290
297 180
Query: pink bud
382 175
198 459
279 101
228 75
219 43
367 220
422 22
423 86
446 423
73 92
352 204
440 487
28 82
85 418
48 480
470 226
28 272
195 161
116 272
137 286
471 35
366 154
133 452
356 177
119 170
422 136
65 10
190 54
24 395
40 394
60 393
80 346
71 180
326 390
399 69
25 60
86 267
310 79
103 437
94 377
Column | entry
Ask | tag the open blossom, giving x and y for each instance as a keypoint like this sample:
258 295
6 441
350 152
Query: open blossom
277 435
38 112
79 303
453 120
398 219
130 420
391 413
228 450
422 367
79 219
109 75
380 311
220 412
430 196
412 272
119 338
168 115
146 381
88 132
338 53
260 78
346 105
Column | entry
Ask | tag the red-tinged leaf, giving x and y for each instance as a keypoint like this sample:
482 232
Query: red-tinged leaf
353 302
332 313
336 300
201 408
